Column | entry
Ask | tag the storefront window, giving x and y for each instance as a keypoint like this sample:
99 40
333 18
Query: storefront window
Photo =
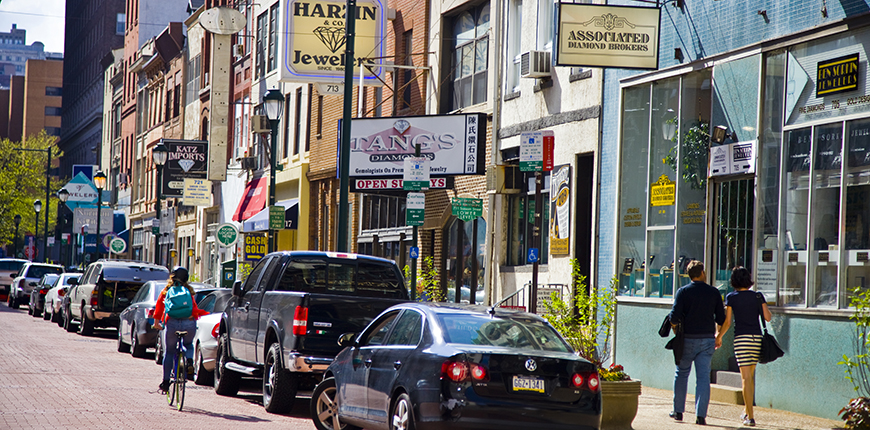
521 224
857 221
796 206
632 189
827 155
466 260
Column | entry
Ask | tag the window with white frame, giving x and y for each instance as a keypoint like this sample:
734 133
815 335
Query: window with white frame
546 17
470 54
514 45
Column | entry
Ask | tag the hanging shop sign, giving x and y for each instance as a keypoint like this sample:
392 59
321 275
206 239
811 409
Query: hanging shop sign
560 209
607 36
732 159
197 192
663 192
255 246
226 235
315 38
360 185
837 75
88 216
454 144
81 190
186 159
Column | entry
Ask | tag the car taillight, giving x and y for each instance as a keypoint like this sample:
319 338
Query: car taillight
95 298
149 313
216 330
460 371
61 293
591 379
577 380
43 291
300 321
478 372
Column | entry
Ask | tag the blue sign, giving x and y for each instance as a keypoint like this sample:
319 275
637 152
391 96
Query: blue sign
415 252
533 255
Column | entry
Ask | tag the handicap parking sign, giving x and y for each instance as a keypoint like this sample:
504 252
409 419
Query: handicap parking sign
533 255
415 252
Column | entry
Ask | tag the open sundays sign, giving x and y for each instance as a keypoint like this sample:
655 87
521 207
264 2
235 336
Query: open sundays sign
454 144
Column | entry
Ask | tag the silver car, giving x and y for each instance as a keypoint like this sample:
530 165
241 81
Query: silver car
9 268
54 297
26 280
37 295
205 343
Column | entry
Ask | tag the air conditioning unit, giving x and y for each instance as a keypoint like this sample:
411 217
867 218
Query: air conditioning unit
248 163
535 64
260 124
239 50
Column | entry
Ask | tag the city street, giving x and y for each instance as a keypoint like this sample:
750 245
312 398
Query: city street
53 379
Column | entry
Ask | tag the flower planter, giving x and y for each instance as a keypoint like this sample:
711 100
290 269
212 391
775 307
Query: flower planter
619 401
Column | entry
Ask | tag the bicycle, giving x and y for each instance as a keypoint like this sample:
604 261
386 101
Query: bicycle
175 393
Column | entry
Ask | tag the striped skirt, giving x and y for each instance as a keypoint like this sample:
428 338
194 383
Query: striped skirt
747 349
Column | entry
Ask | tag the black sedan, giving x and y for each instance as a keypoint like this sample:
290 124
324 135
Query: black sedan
445 366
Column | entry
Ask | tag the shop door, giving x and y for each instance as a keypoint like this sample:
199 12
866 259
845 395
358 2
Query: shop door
734 205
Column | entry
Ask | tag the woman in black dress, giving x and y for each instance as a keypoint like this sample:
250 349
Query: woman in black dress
746 306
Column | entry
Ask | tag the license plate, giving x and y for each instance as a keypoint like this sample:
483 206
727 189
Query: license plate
528 383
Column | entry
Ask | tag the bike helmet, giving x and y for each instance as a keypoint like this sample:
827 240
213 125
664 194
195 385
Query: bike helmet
180 274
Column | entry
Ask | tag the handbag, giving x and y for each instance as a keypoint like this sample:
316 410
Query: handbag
770 349
665 329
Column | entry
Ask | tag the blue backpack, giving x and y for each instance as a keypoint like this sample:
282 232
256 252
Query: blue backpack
178 302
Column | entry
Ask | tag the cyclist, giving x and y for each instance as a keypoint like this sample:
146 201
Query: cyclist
176 310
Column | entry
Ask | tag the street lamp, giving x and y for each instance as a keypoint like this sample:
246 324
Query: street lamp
63 196
17 220
100 182
159 155
274 103
37 206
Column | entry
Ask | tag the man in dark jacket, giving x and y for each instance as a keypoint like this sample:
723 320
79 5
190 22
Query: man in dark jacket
699 309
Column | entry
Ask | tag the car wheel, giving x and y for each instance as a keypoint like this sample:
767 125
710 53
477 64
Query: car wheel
122 347
226 382
86 327
55 316
402 414
68 324
30 310
200 375
279 385
13 303
136 350
324 408
46 315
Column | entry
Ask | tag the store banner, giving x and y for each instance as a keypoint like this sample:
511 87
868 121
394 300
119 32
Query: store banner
732 159
560 210
186 159
454 144
607 36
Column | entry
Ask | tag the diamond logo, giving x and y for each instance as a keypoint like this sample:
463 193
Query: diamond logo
402 125
186 164
332 37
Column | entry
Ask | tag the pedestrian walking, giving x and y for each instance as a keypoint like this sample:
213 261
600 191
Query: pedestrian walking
176 310
745 306
699 309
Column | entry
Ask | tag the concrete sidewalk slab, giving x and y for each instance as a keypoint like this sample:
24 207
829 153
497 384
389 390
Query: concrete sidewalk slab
655 404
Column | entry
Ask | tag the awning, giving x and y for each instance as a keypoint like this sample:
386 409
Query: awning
260 221
253 201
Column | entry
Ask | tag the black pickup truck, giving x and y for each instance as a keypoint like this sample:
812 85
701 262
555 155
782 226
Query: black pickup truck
284 322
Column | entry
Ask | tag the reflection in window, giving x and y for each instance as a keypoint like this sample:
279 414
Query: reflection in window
827 153
466 259
470 57
857 221
634 153
796 206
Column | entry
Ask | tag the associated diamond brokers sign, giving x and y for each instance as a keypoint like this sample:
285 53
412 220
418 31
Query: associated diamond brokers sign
315 37
607 36
415 211
186 159
467 209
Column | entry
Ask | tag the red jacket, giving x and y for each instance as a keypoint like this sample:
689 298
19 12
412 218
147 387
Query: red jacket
161 307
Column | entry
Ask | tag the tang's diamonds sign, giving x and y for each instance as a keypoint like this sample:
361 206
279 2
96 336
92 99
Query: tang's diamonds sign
454 144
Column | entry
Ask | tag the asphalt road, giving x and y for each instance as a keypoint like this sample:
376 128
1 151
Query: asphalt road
51 379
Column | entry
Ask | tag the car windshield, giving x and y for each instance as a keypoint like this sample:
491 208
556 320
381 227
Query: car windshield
11 265
511 332
40 271
356 278
135 273
49 279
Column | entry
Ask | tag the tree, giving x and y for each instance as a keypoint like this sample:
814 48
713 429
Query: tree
22 180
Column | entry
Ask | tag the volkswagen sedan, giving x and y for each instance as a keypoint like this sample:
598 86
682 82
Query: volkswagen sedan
445 366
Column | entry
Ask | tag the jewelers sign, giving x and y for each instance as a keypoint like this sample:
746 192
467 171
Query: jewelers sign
315 38
608 36
454 144
187 159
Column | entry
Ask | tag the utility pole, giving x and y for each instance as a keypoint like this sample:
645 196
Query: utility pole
344 157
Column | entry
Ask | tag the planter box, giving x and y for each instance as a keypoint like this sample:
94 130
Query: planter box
619 401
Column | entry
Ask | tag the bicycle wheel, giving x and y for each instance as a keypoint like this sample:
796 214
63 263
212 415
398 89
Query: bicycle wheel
180 378
170 392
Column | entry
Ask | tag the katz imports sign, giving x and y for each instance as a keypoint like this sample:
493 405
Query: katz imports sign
454 144
187 159
607 36
315 39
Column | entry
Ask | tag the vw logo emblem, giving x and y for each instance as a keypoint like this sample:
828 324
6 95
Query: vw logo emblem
531 366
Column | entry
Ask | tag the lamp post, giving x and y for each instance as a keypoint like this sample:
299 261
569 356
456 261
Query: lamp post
100 182
159 155
274 102
17 220
37 206
63 196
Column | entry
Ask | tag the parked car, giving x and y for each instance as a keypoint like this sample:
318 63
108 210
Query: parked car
54 297
135 331
26 279
105 290
37 294
205 342
9 268
439 366
282 323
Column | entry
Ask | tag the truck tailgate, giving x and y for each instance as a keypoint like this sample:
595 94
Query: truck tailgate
330 316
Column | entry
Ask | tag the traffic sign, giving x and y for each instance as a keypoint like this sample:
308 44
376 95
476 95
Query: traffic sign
533 255
416 174
276 217
415 252
118 245
467 209
531 151
155 226
415 209
226 235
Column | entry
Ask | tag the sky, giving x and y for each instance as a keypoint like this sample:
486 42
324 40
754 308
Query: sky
43 20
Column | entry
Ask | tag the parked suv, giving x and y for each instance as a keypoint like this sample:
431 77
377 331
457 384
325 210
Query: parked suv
105 289
27 278
9 268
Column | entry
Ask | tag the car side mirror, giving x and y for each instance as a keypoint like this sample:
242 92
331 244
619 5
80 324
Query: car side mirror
347 339
73 281
237 289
